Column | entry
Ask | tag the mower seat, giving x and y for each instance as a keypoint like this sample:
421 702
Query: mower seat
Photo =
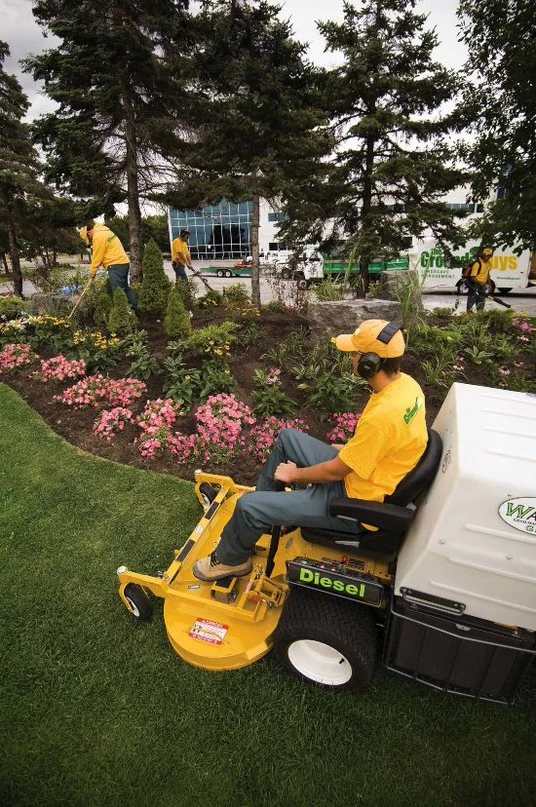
392 516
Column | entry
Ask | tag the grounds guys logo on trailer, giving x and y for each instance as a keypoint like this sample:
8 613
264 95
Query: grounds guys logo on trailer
520 513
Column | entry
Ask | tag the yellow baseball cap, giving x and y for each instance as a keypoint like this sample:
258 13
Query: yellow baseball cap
373 336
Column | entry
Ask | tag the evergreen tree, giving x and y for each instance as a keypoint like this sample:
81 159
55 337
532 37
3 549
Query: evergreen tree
391 163
118 103
501 106
177 323
22 194
122 319
155 286
254 114
102 309
186 290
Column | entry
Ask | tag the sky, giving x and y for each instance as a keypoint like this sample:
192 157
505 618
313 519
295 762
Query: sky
20 31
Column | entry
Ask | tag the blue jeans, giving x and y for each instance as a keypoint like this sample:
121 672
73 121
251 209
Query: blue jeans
180 271
256 513
118 277
476 296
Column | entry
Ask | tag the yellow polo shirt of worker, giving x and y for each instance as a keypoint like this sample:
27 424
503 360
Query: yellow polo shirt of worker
180 252
480 271
106 249
388 442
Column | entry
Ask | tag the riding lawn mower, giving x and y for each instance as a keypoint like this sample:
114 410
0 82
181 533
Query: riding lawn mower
446 585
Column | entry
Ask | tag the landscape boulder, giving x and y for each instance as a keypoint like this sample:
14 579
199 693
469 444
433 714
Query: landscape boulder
344 316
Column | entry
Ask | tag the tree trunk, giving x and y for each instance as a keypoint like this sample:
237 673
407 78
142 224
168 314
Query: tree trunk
365 257
5 264
255 276
133 198
15 257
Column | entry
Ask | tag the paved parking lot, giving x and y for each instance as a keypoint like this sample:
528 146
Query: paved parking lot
523 300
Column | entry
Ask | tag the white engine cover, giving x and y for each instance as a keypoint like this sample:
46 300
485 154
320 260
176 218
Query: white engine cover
473 540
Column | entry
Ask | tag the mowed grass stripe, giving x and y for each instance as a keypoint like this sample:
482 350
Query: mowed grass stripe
96 709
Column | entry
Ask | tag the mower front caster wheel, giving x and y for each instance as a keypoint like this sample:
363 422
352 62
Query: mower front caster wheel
326 640
139 603
208 493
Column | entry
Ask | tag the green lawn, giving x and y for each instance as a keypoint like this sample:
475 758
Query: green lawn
96 709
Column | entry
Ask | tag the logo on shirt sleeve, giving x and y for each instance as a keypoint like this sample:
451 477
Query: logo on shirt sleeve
411 412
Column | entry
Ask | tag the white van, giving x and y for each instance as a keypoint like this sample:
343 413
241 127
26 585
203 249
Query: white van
510 271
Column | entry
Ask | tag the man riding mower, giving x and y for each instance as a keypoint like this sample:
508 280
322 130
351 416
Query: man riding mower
376 541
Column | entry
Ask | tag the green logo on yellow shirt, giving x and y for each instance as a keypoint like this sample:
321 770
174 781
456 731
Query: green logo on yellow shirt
410 413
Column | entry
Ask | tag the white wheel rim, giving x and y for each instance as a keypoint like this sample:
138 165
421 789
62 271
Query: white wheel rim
319 662
133 607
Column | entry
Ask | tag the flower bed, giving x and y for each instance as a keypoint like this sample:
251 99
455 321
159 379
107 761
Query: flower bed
185 410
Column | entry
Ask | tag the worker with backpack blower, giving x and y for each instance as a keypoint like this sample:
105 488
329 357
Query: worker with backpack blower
477 279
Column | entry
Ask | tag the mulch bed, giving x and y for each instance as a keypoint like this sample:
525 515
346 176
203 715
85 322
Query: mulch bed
76 425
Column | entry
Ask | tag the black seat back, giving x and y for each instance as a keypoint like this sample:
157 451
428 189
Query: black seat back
422 476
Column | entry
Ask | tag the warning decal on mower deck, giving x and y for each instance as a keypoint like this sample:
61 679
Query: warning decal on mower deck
208 631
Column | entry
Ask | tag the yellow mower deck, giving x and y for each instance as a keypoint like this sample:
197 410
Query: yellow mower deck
219 626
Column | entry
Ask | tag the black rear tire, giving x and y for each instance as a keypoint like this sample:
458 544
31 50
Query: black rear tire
141 606
326 641
502 290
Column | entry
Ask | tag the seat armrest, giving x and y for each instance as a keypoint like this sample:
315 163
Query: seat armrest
388 517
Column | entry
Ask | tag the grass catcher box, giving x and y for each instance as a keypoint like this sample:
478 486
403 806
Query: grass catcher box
460 655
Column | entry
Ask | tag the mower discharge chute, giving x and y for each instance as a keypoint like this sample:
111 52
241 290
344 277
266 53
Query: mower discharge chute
449 576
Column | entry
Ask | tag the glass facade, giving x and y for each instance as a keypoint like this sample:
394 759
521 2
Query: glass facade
216 231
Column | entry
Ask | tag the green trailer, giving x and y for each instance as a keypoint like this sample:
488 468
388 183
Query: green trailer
335 267
227 271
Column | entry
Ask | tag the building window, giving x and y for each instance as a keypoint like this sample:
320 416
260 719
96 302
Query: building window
277 217
216 231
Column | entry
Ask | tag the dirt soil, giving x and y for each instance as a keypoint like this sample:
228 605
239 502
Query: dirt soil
76 425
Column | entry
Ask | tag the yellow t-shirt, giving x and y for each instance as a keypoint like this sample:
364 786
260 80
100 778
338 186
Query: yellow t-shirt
180 252
389 440
106 249
480 271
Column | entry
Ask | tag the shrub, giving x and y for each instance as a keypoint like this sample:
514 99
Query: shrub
214 341
155 286
328 290
275 307
177 320
101 311
122 319
155 422
111 421
332 391
211 299
98 351
270 398
95 389
250 335
187 290
145 364
215 378
221 424
236 293
10 307
14 357
59 368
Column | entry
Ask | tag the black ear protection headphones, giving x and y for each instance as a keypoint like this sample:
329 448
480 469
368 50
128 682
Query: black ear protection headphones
370 363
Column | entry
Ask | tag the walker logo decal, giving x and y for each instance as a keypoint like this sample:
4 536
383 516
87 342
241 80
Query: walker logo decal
520 513
410 413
